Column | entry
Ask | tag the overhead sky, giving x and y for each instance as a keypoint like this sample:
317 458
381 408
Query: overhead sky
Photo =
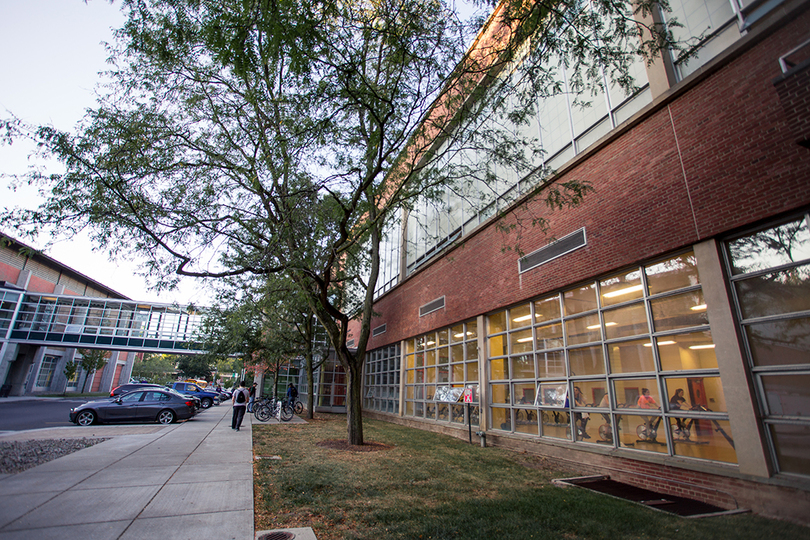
51 53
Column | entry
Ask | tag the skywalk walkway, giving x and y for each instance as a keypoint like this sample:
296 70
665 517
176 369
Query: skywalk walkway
101 323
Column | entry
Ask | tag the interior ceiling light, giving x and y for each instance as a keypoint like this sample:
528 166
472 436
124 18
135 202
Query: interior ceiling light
701 307
661 343
698 347
595 326
524 340
523 318
620 292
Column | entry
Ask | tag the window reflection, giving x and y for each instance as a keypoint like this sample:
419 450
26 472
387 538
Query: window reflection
550 364
621 288
679 311
772 247
586 361
775 293
580 299
783 342
790 443
675 273
788 395
627 321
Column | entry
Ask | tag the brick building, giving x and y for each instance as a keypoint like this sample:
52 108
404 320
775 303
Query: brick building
37 369
660 331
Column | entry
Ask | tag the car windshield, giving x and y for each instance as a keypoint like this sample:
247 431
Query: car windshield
175 392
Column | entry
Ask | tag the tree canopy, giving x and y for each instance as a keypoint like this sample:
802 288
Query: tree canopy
252 137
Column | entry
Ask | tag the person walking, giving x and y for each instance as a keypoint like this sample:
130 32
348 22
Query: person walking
239 401
292 395
252 397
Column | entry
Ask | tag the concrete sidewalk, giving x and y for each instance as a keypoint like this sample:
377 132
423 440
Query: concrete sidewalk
184 481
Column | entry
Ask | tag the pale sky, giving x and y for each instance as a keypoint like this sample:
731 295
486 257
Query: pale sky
51 52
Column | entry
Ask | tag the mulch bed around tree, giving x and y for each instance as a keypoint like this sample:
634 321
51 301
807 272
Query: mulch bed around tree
342 444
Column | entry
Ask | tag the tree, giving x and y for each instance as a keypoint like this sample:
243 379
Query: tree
92 360
257 137
194 366
71 367
155 368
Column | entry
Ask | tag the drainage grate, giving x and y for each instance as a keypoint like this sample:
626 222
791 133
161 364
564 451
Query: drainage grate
277 535
680 506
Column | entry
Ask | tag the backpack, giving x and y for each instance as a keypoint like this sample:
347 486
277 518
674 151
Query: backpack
240 396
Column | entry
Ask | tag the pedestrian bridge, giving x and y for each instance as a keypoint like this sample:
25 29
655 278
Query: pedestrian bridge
98 323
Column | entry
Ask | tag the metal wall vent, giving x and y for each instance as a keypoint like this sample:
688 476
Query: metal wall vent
556 249
430 307
350 344
379 330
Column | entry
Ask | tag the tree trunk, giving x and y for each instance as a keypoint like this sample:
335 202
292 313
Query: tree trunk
310 388
354 400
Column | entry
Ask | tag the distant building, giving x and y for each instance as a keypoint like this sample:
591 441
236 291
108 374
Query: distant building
39 369
660 331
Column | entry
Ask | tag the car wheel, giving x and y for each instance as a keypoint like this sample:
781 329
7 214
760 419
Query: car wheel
165 417
86 418
206 402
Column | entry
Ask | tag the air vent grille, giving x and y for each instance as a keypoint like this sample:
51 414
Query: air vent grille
430 307
379 330
556 249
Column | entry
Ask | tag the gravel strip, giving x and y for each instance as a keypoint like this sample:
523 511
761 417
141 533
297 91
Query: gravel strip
17 456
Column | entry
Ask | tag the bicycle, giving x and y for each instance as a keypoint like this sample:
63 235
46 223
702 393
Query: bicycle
296 406
266 408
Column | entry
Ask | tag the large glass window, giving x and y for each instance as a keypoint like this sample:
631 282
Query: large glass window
46 371
626 361
382 380
441 366
770 278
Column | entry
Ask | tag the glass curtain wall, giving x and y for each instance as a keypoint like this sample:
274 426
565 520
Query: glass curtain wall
563 125
770 276
626 361
439 367
382 375
712 23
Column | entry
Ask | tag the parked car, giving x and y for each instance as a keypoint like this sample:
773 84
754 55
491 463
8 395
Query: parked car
129 387
207 398
143 405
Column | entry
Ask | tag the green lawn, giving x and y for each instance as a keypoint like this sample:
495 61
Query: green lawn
429 486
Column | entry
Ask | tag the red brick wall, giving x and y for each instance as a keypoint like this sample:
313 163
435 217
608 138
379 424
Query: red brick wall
716 158
37 284
794 93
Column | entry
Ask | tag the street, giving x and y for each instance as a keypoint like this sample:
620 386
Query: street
19 415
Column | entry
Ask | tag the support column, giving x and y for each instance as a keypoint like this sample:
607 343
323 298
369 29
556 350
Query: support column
746 428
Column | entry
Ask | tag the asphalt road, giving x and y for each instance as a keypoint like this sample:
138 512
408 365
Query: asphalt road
36 413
